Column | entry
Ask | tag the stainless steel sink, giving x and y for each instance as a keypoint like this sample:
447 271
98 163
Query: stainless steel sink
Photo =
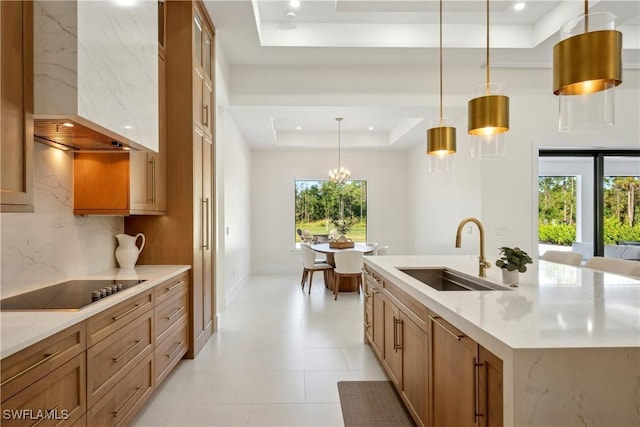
443 279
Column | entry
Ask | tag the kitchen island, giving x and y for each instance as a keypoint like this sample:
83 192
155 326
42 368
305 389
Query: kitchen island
568 338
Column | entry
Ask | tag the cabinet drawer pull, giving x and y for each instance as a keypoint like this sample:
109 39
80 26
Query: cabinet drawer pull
396 323
476 388
435 320
175 313
120 316
153 181
47 357
177 347
172 287
117 412
47 411
205 113
127 351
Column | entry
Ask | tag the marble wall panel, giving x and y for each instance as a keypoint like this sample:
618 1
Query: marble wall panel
52 244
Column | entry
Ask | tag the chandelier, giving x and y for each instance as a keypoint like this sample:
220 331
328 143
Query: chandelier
339 175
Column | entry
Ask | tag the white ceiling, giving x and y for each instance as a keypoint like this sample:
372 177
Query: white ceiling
332 36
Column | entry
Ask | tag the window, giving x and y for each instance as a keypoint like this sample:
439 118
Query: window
320 204
588 200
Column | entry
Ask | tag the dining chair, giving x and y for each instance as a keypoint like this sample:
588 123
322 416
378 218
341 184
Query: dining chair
319 257
614 265
375 246
382 250
562 257
309 266
349 263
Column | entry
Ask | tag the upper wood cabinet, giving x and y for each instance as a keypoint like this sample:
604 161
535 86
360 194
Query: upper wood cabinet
202 72
16 109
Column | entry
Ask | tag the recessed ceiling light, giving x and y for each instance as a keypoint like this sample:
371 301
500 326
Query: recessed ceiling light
290 15
519 6
294 4
298 127
370 127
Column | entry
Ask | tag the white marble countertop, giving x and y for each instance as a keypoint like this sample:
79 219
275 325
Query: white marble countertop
20 329
555 306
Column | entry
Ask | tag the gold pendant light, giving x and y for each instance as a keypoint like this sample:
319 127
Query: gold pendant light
339 175
488 114
587 66
441 139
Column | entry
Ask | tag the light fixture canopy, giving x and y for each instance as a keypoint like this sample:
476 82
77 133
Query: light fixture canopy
441 138
488 114
587 66
340 174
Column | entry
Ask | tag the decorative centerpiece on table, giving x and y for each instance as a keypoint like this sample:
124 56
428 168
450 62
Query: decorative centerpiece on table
513 261
343 226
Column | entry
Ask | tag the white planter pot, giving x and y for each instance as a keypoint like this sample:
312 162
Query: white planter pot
510 277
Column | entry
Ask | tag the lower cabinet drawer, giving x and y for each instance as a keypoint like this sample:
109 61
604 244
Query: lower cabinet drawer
29 365
169 352
117 317
57 399
169 312
112 358
121 403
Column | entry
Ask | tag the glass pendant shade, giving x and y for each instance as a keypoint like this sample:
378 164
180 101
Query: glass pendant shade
488 115
587 66
441 136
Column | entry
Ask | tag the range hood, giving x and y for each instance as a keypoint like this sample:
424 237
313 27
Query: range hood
72 135
96 75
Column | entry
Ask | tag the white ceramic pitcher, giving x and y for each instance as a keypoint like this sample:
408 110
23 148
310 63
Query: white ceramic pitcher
127 252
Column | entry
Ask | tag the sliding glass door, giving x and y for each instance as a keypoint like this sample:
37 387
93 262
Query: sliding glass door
588 200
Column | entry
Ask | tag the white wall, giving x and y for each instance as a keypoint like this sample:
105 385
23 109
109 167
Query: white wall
273 200
233 203
52 244
439 201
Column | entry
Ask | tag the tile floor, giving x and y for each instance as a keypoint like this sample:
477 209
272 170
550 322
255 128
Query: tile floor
274 361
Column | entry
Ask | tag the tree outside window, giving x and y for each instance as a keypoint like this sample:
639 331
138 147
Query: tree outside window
322 206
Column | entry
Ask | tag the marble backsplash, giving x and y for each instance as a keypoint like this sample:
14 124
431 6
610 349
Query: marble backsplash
52 244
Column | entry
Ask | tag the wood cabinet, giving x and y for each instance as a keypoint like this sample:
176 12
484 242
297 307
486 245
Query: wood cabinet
171 325
406 359
99 372
16 106
202 72
57 399
49 376
444 377
467 380
374 312
121 404
186 235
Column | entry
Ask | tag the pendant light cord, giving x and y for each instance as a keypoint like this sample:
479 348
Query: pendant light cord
339 120
440 62
488 70
586 16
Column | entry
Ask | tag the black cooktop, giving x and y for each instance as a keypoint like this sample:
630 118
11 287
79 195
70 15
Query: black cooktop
71 295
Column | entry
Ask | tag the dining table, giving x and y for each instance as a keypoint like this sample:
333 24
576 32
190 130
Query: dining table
347 284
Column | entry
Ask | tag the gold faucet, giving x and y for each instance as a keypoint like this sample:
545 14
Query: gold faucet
483 263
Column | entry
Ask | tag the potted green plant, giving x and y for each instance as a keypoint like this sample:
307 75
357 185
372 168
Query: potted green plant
512 262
